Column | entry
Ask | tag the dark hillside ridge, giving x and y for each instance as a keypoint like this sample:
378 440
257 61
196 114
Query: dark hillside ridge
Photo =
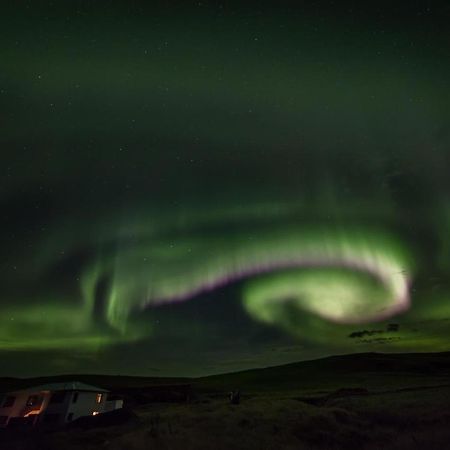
110 382
391 362
356 369
372 370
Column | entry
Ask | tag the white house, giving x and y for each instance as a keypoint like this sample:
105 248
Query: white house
54 404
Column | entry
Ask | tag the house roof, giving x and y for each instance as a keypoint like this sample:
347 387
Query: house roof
65 386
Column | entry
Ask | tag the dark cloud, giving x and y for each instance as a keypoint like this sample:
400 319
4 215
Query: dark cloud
390 328
360 334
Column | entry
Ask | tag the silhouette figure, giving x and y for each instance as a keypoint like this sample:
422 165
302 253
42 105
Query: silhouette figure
235 397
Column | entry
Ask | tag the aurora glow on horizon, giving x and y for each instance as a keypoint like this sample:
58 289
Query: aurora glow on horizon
193 191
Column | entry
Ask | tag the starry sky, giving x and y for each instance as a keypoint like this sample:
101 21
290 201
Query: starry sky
204 188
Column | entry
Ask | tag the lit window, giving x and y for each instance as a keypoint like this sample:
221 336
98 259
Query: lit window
95 413
99 398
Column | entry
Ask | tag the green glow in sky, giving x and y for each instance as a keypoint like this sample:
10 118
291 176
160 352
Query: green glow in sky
201 190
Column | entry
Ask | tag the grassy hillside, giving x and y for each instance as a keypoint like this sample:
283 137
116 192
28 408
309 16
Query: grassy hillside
366 401
397 421
374 371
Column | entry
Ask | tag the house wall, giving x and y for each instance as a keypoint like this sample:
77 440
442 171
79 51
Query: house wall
112 405
85 404
19 407
56 413
75 404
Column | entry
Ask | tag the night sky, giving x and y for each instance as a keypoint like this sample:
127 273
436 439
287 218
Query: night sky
197 189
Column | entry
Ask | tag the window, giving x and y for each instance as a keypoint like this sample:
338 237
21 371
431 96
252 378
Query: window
9 401
70 417
58 397
75 397
99 398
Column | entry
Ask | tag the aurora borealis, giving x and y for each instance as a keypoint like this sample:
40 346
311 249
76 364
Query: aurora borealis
205 188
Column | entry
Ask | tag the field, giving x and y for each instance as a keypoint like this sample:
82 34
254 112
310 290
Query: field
367 401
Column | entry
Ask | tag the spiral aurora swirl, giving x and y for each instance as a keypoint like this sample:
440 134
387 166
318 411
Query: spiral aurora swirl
350 277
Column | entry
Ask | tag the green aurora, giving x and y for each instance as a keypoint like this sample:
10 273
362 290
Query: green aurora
190 191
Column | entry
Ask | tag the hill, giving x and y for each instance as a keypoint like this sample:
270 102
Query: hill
371 370
377 371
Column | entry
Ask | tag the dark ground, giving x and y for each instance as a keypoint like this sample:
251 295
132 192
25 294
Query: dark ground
366 401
